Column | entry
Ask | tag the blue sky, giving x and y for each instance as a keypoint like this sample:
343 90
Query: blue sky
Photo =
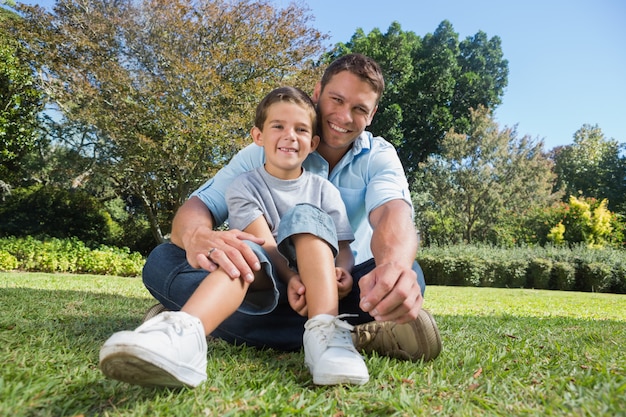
567 58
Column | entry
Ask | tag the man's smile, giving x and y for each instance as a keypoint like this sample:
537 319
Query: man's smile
337 128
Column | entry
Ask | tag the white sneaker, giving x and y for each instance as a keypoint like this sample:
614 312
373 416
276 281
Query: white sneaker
168 350
330 354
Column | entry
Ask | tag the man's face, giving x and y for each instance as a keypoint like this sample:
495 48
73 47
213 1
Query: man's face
345 107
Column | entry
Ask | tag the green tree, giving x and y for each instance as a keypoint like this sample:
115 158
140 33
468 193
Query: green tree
480 177
432 82
166 89
593 166
20 101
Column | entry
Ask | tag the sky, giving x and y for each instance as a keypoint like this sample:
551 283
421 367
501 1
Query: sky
567 58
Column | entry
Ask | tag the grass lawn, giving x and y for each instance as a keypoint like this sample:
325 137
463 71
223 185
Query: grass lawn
507 352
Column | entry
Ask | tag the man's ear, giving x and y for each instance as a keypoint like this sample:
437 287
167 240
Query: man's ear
257 134
371 117
315 141
316 92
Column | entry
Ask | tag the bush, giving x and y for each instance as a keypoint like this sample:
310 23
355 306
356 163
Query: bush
560 268
47 211
8 262
69 255
538 273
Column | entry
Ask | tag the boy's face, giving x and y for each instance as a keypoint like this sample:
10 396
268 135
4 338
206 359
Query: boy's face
287 138
345 107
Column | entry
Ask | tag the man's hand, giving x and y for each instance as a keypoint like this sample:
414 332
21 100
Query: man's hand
391 293
192 230
295 295
227 250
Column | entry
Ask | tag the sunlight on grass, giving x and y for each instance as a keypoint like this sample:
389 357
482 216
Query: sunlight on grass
525 303
506 352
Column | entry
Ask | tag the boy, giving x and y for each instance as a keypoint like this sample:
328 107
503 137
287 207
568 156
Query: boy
299 216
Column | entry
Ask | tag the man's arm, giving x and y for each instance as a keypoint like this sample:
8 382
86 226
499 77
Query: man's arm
192 230
391 291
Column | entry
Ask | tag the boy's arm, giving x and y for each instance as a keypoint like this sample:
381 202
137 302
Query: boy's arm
344 262
345 258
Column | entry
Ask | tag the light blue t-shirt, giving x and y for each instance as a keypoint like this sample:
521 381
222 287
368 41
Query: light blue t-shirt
369 175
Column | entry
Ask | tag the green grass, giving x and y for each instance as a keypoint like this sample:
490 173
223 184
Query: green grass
506 352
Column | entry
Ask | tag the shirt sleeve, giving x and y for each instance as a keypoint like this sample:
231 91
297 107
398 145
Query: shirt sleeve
387 178
243 203
213 192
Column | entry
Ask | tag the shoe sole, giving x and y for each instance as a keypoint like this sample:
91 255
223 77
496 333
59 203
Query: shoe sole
428 337
125 363
340 379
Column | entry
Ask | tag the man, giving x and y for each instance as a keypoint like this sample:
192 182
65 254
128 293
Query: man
387 294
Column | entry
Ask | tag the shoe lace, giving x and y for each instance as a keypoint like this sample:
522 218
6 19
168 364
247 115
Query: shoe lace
166 322
375 333
339 332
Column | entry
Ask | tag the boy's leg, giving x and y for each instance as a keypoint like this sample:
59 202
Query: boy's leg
171 280
316 266
307 238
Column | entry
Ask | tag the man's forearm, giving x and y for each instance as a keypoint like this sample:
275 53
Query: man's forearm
394 238
189 217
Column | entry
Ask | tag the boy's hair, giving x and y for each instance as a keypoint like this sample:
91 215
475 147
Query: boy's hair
360 65
290 95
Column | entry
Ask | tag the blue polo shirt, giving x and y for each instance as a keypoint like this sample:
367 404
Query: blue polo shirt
368 175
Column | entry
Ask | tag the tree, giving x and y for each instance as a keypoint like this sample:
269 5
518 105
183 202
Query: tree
20 101
586 220
431 84
480 177
593 166
166 89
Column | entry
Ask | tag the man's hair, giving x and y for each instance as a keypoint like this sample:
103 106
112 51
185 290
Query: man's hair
290 95
360 65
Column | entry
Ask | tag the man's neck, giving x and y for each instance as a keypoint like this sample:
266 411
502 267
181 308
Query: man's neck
332 155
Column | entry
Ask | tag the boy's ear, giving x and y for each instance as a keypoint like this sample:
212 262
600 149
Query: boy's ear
257 134
315 141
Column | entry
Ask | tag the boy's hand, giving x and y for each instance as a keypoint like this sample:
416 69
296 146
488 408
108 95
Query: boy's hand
344 282
295 295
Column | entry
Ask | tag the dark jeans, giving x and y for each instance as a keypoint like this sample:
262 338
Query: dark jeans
171 280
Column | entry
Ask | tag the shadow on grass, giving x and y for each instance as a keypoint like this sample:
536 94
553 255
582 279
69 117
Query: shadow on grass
50 340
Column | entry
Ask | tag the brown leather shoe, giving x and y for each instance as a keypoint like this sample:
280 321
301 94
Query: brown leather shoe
413 341
153 311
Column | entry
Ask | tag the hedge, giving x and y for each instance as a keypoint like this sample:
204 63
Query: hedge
578 268
67 255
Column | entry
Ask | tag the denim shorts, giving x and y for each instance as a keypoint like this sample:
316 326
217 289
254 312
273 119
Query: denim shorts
303 218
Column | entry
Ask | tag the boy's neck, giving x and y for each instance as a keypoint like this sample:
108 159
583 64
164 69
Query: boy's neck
282 174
